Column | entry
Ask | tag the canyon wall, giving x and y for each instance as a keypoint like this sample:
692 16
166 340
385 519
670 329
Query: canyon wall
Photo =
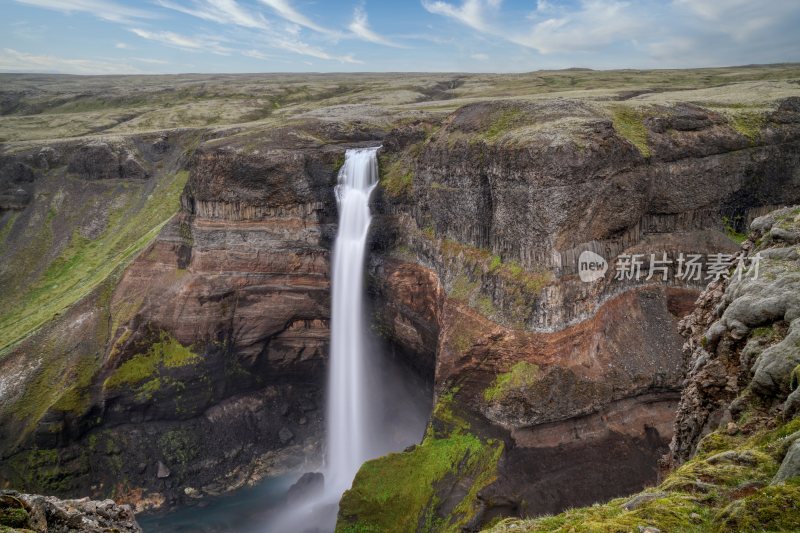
577 383
196 365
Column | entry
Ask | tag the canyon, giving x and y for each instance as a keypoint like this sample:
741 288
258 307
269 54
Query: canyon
166 303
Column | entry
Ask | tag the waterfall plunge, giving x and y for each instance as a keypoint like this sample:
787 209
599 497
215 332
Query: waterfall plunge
374 404
347 404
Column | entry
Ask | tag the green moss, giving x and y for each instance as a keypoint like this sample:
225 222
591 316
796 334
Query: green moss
463 288
485 306
629 123
773 508
749 124
731 231
765 331
12 513
42 470
166 353
396 176
178 447
185 231
521 375
794 379
503 122
446 421
397 492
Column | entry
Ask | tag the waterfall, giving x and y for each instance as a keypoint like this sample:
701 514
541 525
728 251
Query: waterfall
359 381
347 405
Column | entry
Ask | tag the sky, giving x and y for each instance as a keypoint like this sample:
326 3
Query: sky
212 36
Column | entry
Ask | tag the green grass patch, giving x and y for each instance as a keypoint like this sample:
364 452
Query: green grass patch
463 288
750 124
166 353
523 374
396 177
503 122
773 508
629 123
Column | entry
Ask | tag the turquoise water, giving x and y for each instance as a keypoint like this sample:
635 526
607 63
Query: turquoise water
244 511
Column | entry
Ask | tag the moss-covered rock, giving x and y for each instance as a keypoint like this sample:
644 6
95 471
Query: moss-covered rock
143 369
13 513
432 487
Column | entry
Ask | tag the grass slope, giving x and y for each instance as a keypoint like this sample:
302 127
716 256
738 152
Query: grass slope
132 223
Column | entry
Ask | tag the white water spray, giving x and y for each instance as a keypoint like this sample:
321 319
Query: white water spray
347 405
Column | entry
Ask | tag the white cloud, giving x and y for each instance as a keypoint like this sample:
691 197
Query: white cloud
299 47
103 9
194 44
256 54
150 61
480 57
229 12
740 19
13 60
597 23
556 28
471 13
285 10
122 46
360 28
220 11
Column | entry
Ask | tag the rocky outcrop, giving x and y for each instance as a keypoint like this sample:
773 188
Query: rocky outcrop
98 160
46 514
742 339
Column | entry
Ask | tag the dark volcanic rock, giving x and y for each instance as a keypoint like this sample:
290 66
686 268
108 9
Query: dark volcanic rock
310 485
98 160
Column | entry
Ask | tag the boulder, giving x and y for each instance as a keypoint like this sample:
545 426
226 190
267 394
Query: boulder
790 466
307 487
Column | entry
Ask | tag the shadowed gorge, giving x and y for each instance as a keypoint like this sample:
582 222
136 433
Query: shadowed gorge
168 311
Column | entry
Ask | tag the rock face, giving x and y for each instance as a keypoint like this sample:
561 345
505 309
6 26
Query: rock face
46 514
97 161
